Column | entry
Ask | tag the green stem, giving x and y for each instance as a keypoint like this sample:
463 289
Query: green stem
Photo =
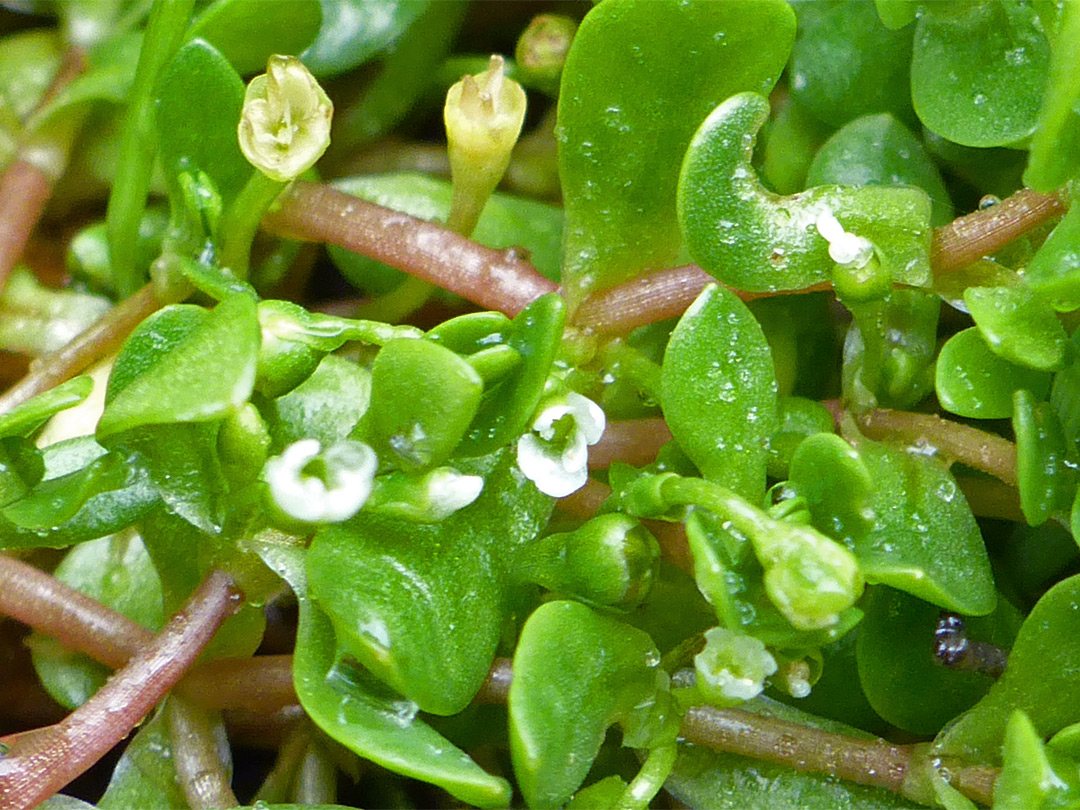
199 769
399 303
649 780
138 144
240 222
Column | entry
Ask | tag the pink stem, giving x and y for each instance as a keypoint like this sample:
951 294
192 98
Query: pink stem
38 767
634 441
497 279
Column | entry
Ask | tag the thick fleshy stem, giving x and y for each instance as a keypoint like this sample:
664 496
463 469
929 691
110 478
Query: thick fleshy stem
50 607
197 756
953 441
39 765
101 339
968 238
27 183
497 279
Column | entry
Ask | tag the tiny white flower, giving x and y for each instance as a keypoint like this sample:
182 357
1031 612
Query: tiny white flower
559 466
285 124
334 493
844 248
732 667
450 491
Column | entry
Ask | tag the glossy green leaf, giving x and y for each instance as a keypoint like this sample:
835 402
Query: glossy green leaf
1034 776
506 222
1044 477
792 137
32 414
206 374
752 239
894 366
1055 146
797 420
423 399
719 391
354 31
199 98
507 408
973 381
978 71
897 670
326 406
639 78
1038 679
575 673
145 776
1018 325
247 40
378 726
104 496
117 572
423 605
846 64
879 150
917 534
1055 270
708 780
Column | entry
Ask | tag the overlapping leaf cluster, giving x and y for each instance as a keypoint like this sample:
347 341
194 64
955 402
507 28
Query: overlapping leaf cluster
825 515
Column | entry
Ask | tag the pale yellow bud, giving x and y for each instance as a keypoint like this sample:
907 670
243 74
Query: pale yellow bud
285 124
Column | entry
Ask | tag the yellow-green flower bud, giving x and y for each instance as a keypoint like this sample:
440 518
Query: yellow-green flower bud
542 48
732 668
285 123
483 116
810 578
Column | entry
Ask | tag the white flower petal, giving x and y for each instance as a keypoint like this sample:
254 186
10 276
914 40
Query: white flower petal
451 491
548 469
589 416
350 472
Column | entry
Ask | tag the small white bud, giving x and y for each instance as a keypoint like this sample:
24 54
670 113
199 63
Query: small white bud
844 248
560 466
316 486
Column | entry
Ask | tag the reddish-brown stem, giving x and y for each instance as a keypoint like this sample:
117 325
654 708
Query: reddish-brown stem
196 756
634 441
968 238
82 624
99 340
498 279
954 441
24 186
38 767
76 621
24 190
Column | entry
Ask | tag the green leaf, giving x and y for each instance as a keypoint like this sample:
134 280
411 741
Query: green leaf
846 64
1039 679
326 406
1018 325
974 382
1055 270
247 40
1034 776
354 31
205 374
708 780
378 727
199 99
918 534
719 391
978 71
1044 477
423 606
897 670
575 673
104 496
639 78
508 407
32 414
506 222
117 572
423 399
1055 146
879 150
752 239
145 776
